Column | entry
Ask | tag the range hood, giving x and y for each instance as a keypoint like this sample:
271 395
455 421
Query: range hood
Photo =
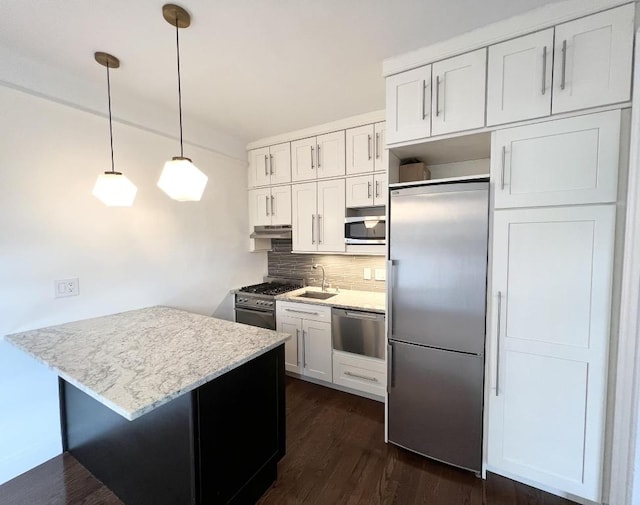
283 231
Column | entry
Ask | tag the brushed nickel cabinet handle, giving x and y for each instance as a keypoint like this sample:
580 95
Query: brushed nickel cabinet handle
357 376
318 157
296 311
437 95
377 189
498 344
273 212
544 70
297 343
563 81
504 156
377 145
266 162
368 190
266 202
304 350
312 167
424 99
271 164
319 229
369 146
313 228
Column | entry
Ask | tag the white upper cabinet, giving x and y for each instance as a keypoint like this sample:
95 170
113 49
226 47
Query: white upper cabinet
566 161
409 105
366 150
458 98
318 157
303 214
330 218
519 78
270 206
592 61
270 165
280 205
366 190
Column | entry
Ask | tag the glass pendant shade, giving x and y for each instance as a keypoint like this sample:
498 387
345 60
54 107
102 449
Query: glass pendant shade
182 180
114 190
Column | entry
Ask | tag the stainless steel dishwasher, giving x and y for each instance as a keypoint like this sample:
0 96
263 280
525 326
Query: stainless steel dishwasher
358 332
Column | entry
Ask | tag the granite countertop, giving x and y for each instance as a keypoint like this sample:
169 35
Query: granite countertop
136 361
347 299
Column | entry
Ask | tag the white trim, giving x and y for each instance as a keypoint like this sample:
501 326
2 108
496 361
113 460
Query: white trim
625 422
341 124
531 21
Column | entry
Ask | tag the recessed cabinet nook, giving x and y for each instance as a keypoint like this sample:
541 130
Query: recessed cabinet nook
545 114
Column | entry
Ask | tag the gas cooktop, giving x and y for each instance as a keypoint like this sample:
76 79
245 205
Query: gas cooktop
270 288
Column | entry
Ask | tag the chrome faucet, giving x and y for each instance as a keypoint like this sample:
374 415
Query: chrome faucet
324 282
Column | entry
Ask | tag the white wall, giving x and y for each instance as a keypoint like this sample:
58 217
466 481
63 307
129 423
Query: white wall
186 255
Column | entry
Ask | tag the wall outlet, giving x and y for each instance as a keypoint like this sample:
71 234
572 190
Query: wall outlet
367 274
66 287
381 274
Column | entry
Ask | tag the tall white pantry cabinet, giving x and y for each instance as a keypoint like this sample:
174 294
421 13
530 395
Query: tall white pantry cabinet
554 192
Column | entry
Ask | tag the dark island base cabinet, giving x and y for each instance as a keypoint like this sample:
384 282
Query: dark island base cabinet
218 444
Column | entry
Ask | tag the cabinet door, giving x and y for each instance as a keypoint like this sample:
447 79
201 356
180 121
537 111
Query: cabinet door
359 191
331 211
567 161
381 153
281 205
552 273
280 163
519 78
303 214
330 154
303 159
292 349
260 207
459 93
259 167
317 359
592 61
360 149
409 105
380 189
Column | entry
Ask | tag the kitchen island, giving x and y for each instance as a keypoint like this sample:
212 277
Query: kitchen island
169 407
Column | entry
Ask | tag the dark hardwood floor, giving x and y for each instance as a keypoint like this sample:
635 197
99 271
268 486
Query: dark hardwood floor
335 455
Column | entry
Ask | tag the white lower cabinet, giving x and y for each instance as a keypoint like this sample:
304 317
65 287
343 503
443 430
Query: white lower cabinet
309 350
361 373
551 307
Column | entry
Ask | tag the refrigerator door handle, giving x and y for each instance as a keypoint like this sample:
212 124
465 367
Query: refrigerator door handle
390 381
392 281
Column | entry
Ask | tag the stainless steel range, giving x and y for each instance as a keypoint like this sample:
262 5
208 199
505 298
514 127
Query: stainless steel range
256 304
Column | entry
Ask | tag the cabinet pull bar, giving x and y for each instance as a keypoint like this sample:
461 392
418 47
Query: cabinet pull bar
273 212
302 312
266 161
504 156
377 145
271 164
266 201
319 229
368 189
369 146
424 99
350 374
312 166
390 377
437 95
544 70
318 157
563 82
313 228
498 344
377 189
304 351
297 341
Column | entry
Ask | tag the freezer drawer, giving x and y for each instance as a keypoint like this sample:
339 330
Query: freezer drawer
435 403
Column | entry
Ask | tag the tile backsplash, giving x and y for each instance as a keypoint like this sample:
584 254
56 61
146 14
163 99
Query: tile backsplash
345 272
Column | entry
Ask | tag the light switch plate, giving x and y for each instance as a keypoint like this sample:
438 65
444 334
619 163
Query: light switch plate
367 274
381 275
66 287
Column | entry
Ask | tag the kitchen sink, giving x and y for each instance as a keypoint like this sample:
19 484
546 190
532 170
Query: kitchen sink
318 295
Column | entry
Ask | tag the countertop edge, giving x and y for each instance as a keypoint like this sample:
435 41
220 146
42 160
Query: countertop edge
329 302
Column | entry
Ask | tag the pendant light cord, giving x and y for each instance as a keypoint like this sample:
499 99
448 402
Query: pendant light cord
113 169
179 88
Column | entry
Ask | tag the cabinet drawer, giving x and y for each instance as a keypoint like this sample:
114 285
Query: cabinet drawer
562 162
360 373
307 311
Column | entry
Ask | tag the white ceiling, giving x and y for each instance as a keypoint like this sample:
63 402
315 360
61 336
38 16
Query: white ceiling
251 68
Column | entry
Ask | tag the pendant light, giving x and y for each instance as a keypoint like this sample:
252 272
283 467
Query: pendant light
112 188
180 178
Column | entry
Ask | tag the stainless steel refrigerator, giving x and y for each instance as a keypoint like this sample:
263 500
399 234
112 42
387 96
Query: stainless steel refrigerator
437 287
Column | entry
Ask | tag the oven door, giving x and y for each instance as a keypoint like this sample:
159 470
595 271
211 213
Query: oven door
262 319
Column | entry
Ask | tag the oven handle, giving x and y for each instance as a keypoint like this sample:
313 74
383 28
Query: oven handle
254 311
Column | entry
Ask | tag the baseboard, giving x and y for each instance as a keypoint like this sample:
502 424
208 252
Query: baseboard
331 385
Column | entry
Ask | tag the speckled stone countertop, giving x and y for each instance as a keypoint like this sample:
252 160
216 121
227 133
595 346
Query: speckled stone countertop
346 299
135 361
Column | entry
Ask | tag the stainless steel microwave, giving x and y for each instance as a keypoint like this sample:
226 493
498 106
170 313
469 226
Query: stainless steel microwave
365 230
